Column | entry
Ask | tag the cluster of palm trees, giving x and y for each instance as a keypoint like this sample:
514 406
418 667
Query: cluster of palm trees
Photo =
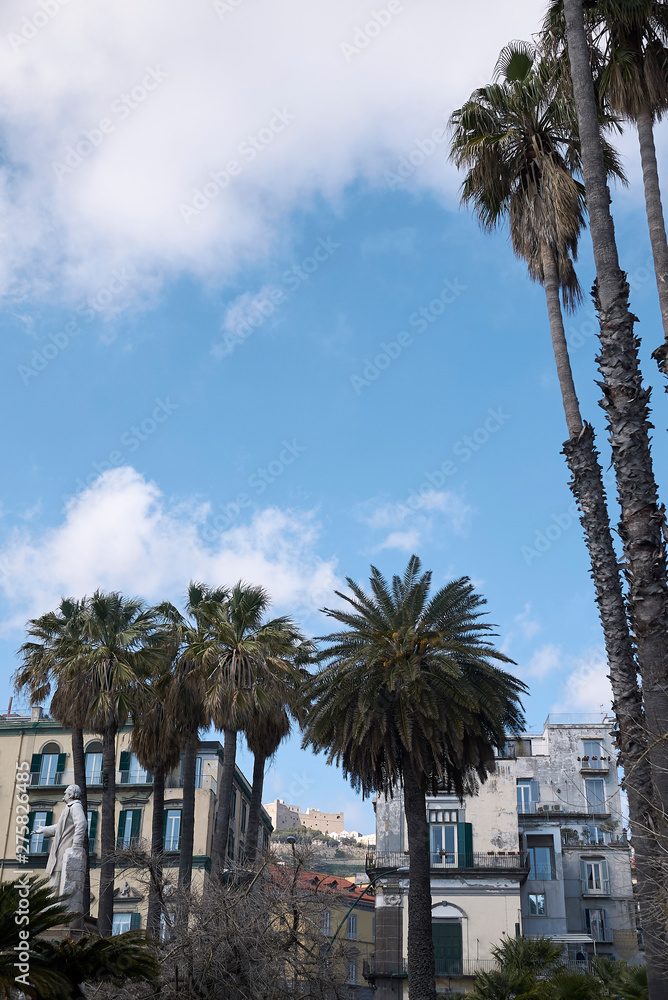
536 148
109 658
409 695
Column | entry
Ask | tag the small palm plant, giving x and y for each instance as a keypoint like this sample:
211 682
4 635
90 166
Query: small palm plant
410 696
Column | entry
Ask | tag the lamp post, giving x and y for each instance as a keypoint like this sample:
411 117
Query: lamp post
384 874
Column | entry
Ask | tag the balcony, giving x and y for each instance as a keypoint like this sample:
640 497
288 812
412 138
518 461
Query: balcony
136 777
600 888
47 780
451 864
201 781
595 765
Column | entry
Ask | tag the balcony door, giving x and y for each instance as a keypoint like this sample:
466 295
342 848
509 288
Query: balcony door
443 841
447 937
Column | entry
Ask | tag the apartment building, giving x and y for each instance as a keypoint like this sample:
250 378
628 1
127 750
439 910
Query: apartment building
540 850
579 889
47 747
285 817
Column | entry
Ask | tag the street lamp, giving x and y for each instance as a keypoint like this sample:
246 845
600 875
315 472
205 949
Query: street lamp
384 874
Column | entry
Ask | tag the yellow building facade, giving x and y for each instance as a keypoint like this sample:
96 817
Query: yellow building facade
45 747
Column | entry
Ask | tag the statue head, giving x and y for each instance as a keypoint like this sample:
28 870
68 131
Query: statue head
72 792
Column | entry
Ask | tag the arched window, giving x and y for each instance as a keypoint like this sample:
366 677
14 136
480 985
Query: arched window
94 763
446 930
47 767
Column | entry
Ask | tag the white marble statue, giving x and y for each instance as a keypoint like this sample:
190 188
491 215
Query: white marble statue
66 866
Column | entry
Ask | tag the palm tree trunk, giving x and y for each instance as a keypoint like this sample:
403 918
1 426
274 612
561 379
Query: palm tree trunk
79 764
657 226
559 345
253 829
157 849
421 967
105 909
626 405
188 814
219 850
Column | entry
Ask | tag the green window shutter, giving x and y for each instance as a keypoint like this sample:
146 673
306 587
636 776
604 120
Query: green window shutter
49 818
136 823
31 820
60 766
121 823
36 763
93 831
125 760
465 845
135 921
447 938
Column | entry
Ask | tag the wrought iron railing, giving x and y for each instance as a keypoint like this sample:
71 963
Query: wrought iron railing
518 861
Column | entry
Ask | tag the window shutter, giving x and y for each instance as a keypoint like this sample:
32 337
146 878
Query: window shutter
93 831
465 845
583 872
31 820
535 790
49 819
135 921
60 767
125 760
180 812
36 763
136 823
121 823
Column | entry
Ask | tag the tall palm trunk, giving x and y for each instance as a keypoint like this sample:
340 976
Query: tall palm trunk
188 813
79 764
626 405
253 828
589 492
219 850
657 226
105 911
157 849
421 966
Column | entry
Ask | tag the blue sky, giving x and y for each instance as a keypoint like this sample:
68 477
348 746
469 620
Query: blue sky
313 362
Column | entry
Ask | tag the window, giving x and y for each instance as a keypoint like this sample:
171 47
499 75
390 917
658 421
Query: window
528 793
244 812
443 816
172 829
351 976
94 764
541 861
523 748
595 794
594 874
233 804
123 922
325 922
443 842
198 772
596 924
132 772
537 904
129 827
352 927
593 754
166 923
92 830
37 843
47 767
595 835
230 846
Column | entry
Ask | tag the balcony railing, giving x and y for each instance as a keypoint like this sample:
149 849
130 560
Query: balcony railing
602 889
47 780
201 781
394 859
136 777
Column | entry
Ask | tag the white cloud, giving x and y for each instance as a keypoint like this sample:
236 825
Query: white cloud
525 627
116 116
123 534
586 688
546 659
412 521
244 315
407 541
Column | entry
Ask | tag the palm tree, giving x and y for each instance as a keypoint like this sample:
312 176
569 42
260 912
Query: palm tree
112 652
197 656
519 142
628 49
156 742
256 658
409 693
42 670
626 404
264 731
58 968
